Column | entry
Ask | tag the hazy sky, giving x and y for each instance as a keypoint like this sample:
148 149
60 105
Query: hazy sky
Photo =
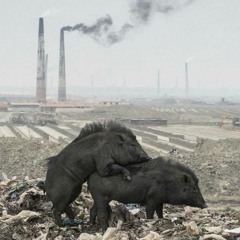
160 34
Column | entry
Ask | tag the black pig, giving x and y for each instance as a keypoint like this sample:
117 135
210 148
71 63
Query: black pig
153 183
100 147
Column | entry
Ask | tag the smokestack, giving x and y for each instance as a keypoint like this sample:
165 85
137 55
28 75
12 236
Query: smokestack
158 84
46 69
186 74
41 71
62 76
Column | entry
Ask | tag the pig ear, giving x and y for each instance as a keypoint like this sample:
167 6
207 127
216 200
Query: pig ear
120 138
186 179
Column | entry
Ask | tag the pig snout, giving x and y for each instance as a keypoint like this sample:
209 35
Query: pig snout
147 158
204 205
201 204
143 156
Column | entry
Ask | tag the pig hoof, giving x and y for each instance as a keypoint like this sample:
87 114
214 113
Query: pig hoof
127 175
128 178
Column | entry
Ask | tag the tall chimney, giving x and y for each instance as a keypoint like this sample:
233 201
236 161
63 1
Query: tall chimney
62 76
41 71
186 74
46 70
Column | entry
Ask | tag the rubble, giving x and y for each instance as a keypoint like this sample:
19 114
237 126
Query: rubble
28 215
216 164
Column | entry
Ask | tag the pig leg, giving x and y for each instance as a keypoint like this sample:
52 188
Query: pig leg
57 216
159 210
61 205
57 212
150 208
70 213
113 169
155 200
93 214
102 213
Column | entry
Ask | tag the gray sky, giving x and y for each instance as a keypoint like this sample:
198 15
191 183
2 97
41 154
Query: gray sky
207 30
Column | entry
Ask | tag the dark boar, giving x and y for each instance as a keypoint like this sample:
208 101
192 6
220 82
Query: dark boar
153 183
101 147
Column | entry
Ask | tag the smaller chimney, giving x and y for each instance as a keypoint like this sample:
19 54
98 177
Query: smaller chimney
41 68
46 69
62 76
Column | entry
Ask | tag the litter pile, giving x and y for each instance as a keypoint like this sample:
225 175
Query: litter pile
25 213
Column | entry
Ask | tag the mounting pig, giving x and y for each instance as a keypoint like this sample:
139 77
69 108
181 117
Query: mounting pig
102 147
153 183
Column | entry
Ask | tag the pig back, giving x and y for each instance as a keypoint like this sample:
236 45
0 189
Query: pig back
145 176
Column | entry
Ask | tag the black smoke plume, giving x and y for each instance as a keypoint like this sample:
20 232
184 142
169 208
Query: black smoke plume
141 10
101 31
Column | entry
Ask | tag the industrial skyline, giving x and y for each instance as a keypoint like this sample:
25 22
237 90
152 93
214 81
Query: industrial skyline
141 44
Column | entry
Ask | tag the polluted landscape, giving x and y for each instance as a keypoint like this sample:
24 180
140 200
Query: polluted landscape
120 120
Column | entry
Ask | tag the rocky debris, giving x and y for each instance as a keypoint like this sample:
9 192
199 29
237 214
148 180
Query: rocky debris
216 164
25 213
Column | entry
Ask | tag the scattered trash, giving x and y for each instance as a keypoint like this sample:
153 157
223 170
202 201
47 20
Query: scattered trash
192 228
212 237
232 234
25 212
109 233
74 222
24 215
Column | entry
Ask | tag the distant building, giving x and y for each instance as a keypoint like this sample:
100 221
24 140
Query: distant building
3 107
23 107
150 121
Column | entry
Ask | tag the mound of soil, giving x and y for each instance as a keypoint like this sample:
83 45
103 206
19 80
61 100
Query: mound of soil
21 157
216 164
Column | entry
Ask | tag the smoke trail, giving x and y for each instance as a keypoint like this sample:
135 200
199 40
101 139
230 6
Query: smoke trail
50 12
190 59
142 10
102 31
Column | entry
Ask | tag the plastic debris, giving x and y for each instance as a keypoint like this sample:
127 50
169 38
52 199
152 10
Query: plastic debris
212 237
152 236
109 233
24 215
70 222
191 228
